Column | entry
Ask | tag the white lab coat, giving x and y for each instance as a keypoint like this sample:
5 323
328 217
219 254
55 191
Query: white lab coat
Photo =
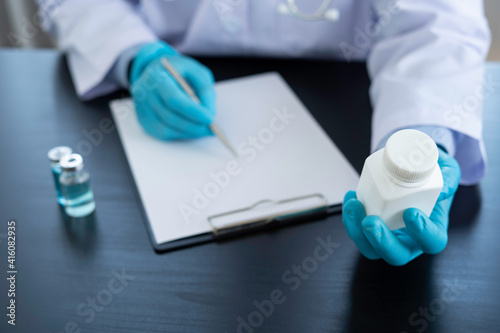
425 57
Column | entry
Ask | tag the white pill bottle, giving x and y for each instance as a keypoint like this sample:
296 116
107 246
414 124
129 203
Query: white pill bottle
402 175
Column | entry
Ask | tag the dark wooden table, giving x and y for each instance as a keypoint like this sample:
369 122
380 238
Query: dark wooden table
67 270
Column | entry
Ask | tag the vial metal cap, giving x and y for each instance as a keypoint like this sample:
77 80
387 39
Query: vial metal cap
410 156
72 162
56 153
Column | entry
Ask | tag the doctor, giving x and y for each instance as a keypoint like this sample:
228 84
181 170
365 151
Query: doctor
425 59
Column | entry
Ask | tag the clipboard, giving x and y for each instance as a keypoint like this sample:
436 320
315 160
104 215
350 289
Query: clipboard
246 227
252 202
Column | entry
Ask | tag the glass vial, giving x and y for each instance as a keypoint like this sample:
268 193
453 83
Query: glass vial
75 187
55 155
402 175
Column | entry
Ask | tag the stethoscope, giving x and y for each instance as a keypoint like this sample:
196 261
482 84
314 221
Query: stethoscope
322 13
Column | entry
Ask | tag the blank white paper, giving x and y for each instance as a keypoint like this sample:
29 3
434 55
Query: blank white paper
283 153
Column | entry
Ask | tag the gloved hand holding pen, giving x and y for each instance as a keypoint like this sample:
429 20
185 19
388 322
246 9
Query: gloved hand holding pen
163 108
423 234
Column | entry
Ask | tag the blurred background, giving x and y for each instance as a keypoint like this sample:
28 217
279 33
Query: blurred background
17 18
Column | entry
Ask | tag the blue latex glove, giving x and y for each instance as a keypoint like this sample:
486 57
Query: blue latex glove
164 110
422 233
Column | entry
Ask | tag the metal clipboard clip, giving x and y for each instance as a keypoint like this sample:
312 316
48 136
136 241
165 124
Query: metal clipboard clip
267 212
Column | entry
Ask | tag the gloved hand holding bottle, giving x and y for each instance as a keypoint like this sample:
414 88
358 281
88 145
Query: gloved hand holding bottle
422 234
164 110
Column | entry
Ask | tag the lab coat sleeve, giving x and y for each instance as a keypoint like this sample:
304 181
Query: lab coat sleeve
119 72
426 67
93 34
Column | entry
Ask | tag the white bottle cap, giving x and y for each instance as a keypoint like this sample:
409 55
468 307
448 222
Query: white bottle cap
72 162
56 153
410 156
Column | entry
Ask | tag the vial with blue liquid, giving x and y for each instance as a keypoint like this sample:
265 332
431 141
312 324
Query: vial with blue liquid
55 155
75 187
